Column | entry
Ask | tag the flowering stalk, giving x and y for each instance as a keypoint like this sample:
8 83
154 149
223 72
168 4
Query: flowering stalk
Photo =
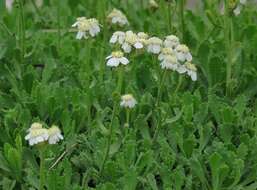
115 109
21 31
228 46
156 132
127 117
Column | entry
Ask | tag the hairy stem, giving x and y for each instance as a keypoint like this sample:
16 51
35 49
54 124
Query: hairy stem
156 132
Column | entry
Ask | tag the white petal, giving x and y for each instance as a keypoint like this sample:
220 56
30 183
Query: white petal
189 57
124 60
80 35
113 62
108 57
181 56
126 47
138 45
193 76
237 10
181 69
113 39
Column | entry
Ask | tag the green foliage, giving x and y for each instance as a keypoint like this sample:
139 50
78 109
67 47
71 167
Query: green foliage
207 140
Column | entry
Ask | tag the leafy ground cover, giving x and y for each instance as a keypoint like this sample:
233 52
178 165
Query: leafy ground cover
181 133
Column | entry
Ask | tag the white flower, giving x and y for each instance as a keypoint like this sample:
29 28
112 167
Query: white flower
131 40
243 2
171 41
183 53
165 52
153 4
191 71
154 45
36 134
169 62
116 58
117 17
54 134
117 37
128 101
237 10
86 27
9 4
181 68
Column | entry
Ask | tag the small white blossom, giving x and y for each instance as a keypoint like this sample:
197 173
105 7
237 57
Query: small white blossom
128 101
131 40
116 58
239 7
165 52
169 62
36 134
237 10
86 27
118 37
154 45
117 17
171 41
153 4
183 53
54 134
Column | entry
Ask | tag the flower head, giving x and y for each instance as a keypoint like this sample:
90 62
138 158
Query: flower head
116 58
165 52
183 53
238 7
118 36
154 45
36 134
171 41
117 17
191 70
131 40
86 27
169 62
153 4
128 101
54 134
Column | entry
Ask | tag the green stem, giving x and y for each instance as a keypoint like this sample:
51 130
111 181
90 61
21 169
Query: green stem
182 21
42 170
160 87
21 31
120 80
156 132
127 116
228 45
180 80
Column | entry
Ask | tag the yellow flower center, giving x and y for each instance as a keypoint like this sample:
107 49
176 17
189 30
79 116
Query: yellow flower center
117 54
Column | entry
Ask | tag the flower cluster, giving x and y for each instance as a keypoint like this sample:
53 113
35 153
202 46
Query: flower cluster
172 54
37 134
117 17
129 40
239 6
86 27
